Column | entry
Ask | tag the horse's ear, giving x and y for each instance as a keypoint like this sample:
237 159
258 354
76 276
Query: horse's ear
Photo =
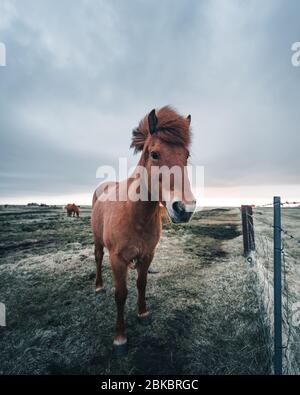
189 118
152 120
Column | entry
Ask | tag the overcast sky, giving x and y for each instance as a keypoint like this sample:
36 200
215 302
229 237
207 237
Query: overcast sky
81 74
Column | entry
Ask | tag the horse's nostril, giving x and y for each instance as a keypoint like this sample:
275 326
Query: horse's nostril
178 207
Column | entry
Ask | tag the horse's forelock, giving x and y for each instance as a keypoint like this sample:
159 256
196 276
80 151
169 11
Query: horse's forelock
171 128
138 140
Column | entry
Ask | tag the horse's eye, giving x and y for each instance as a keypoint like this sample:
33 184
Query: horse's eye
154 155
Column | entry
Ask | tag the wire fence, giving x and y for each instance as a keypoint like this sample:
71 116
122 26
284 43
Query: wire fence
261 259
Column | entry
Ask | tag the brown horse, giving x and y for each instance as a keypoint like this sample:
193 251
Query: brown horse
72 210
130 228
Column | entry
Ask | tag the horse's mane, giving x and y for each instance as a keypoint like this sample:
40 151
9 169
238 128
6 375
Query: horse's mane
171 128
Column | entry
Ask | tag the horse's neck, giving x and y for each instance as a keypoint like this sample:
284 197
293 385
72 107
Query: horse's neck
143 211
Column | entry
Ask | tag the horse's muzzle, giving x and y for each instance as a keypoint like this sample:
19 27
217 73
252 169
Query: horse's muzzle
180 212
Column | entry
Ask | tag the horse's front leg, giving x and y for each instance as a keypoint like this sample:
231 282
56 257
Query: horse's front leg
142 269
120 268
99 259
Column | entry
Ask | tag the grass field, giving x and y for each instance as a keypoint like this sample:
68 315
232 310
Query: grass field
205 315
263 225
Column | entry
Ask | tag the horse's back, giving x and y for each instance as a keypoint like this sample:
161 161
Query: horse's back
100 208
101 189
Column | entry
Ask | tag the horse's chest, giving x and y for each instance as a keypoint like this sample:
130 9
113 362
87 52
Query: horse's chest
138 242
144 239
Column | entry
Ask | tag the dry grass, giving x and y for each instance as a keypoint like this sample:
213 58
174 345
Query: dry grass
205 316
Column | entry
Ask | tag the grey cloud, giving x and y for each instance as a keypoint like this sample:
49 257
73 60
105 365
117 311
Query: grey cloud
79 78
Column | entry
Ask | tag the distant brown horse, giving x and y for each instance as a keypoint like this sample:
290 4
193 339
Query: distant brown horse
72 210
130 229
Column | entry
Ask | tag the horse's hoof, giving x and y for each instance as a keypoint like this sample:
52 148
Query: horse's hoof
100 290
144 318
145 314
120 349
151 270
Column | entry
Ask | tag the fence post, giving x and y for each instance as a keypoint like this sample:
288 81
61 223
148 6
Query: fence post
248 229
277 288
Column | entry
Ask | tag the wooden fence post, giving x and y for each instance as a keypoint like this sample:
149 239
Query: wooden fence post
248 229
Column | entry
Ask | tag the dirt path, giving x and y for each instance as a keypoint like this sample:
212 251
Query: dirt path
205 315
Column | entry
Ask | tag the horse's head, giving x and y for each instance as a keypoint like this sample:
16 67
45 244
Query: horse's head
164 139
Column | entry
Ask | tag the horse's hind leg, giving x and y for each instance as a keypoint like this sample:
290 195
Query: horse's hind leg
99 258
142 269
120 268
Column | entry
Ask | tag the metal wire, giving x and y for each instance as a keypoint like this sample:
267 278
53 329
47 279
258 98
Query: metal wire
263 263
